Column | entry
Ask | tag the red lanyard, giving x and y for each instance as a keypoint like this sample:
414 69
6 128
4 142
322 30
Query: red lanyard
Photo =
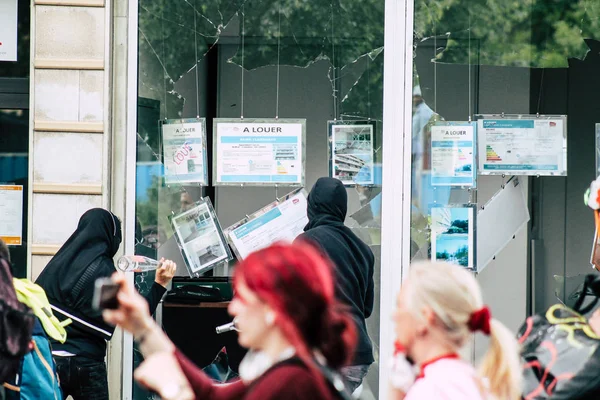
451 356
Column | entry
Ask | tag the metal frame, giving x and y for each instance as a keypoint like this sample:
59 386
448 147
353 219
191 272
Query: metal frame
331 148
174 178
206 203
131 150
302 121
474 166
397 117
230 230
524 117
472 244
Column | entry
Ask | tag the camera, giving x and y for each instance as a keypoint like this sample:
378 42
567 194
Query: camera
105 294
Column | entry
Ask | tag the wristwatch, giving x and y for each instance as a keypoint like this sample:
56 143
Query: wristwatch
171 391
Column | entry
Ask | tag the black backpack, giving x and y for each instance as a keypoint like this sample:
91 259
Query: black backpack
559 351
16 325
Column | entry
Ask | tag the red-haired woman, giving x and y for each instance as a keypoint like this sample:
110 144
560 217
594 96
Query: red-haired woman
288 318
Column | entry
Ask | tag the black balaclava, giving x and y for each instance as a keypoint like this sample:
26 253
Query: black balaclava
98 234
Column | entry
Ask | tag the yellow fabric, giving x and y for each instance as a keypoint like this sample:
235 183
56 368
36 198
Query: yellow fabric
35 298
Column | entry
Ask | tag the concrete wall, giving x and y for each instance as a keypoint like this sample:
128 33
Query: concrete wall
69 130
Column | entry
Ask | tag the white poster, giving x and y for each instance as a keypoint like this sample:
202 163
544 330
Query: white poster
453 154
259 152
526 146
184 151
352 155
8 30
453 235
198 234
11 214
279 221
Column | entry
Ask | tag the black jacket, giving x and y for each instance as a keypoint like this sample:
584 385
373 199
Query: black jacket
352 258
69 280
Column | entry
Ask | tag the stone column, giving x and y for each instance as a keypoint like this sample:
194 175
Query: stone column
70 139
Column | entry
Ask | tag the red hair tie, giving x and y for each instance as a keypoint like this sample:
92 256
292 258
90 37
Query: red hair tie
480 320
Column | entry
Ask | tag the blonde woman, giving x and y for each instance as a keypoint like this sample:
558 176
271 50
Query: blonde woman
438 308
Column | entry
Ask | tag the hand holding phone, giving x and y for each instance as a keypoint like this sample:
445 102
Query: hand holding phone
105 294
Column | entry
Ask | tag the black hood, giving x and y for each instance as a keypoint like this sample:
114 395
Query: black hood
98 234
327 203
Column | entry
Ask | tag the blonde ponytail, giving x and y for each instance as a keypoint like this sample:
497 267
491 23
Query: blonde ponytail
501 364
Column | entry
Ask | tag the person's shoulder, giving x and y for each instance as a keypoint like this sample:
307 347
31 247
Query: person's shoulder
103 266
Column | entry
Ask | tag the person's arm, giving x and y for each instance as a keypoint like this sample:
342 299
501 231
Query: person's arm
164 274
203 387
161 374
133 316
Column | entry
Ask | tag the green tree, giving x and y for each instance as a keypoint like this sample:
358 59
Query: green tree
538 33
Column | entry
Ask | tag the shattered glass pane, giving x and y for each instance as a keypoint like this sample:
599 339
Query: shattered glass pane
215 59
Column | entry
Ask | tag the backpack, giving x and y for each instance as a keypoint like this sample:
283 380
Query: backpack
35 297
37 377
16 325
560 353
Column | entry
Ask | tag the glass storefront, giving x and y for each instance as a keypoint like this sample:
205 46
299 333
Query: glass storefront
512 60
313 60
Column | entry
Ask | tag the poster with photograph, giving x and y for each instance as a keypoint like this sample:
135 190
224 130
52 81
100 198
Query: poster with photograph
352 152
453 154
11 214
522 145
259 152
184 150
452 235
282 220
8 30
200 238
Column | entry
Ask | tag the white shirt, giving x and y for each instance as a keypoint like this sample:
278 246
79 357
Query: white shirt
448 379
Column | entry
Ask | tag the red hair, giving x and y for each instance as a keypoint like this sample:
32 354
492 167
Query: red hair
296 280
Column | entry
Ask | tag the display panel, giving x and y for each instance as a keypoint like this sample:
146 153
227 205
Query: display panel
259 152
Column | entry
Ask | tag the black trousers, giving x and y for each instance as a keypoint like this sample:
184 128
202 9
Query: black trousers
82 378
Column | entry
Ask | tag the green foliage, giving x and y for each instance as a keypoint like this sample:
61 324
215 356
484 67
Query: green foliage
536 33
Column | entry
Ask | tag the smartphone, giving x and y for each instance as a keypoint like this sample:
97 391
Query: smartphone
105 294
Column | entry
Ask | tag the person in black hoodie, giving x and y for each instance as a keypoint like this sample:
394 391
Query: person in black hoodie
353 261
69 280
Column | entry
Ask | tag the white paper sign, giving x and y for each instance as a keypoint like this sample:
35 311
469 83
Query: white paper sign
352 155
8 30
527 146
11 214
184 148
453 154
279 221
259 153
200 239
